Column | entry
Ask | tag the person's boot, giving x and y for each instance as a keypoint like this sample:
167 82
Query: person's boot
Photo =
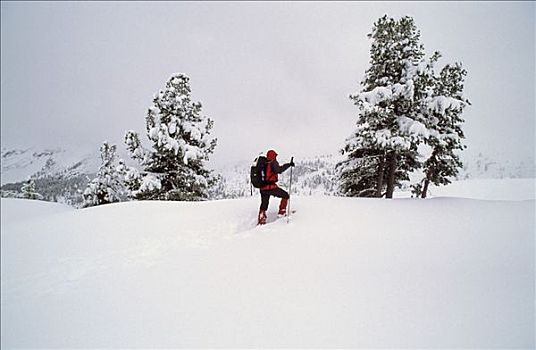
262 217
283 207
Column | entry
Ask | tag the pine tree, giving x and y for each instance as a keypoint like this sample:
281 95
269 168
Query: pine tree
28 190
107 186
444 118
393 117
387 134
358 173
173 169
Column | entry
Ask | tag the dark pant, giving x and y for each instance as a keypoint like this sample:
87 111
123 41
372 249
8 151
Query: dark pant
276 192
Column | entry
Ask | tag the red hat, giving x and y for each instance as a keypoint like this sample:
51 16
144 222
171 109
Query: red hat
271 154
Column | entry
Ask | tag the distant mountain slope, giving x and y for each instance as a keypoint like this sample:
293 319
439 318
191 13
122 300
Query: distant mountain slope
18 165
60 175
482 166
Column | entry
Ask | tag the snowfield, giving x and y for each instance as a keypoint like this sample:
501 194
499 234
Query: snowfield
486 189
404 273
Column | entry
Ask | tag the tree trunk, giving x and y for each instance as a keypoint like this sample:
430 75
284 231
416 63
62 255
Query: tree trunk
391 178
381 172
425 188
430 174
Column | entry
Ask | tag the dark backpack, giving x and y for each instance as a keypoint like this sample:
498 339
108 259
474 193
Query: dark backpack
258 172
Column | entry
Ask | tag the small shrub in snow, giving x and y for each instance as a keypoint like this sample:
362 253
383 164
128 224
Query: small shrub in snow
28 190
107 186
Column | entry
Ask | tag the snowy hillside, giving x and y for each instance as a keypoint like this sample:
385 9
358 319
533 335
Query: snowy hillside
485 189
18 165
403 273
62 175
481 166
492 189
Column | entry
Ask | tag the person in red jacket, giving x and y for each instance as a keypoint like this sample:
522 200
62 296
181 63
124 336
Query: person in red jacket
271 189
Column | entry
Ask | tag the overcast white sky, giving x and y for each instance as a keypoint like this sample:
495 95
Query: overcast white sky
270 74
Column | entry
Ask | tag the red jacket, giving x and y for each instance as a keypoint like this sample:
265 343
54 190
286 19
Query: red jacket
272 170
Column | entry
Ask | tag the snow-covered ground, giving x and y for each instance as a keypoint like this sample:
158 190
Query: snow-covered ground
485 189
404 273
491 189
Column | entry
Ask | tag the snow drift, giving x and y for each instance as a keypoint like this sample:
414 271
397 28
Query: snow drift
443 272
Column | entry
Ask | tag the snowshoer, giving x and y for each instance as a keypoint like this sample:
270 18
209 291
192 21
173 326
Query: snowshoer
271 189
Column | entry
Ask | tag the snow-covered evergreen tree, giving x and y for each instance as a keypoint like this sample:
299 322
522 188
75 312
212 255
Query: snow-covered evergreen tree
131 179
444 119
392 119
174 167
107 186
28 190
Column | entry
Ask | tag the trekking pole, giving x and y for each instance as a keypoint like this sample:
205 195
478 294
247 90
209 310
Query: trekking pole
289 191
